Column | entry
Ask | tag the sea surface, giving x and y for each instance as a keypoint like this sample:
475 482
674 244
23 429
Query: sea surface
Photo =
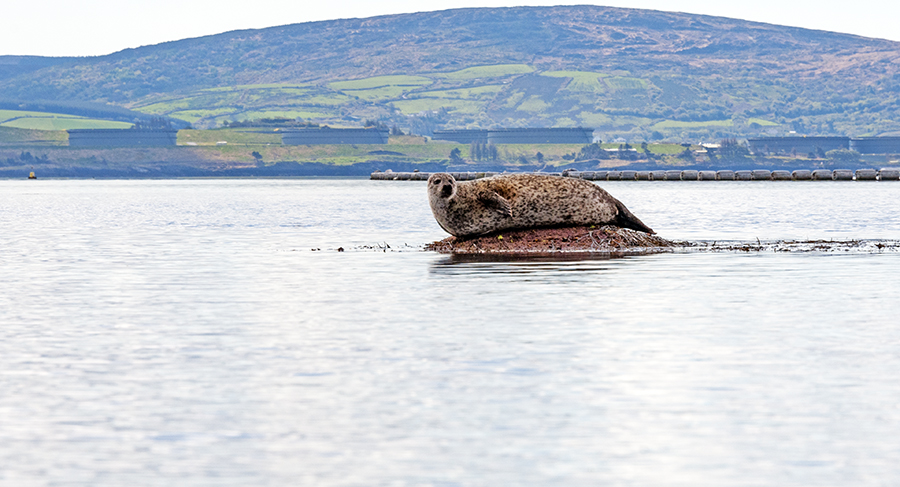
208 332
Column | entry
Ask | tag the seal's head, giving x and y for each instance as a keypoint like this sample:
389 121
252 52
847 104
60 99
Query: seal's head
441 186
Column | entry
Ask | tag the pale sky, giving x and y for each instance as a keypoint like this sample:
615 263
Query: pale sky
95 27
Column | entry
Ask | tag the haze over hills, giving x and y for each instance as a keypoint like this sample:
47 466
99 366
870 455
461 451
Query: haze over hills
634 73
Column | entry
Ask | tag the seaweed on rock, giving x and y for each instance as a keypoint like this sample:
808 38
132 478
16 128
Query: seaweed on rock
606 238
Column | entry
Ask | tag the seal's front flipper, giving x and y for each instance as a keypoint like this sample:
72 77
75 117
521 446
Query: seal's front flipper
494 201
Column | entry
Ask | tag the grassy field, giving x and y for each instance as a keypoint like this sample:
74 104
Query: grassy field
582 81
665 149
380 88
764 123
376 94
513 99
493 71
477 93
380 81
329 99
231 136
255 115
594 119
211 107
64 124
407 140
170 106
192 116
411 107
674 124
25 137
626 83
280 86
533 104
6 115
29 120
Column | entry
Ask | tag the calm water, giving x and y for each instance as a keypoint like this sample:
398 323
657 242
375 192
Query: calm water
184 333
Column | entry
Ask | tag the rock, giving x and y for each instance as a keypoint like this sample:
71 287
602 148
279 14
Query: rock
606 238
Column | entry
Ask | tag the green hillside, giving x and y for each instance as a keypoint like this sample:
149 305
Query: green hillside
15 137
636 74
24 119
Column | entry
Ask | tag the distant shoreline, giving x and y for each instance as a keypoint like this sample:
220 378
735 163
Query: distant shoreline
366 169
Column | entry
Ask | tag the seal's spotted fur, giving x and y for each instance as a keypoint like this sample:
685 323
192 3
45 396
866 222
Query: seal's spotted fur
515 201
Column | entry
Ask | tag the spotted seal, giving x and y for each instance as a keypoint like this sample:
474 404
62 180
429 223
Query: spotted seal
519 201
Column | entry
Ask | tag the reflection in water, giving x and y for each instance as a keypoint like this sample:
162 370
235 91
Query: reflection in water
510 264
523 257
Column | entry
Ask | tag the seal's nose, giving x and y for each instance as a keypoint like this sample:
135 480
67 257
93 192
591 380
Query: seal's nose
446 190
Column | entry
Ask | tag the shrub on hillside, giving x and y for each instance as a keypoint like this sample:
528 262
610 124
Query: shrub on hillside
591 151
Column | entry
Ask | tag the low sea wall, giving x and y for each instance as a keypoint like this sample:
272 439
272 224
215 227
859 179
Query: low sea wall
886 174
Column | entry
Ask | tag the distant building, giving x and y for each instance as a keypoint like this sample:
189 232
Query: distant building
800 145
461 136
327 135
122 137
577 135
876 145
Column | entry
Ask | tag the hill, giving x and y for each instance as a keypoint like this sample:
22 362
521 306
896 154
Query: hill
50 115
638 74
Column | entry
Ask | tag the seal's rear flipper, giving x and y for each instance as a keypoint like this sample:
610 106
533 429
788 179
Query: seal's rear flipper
625 219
